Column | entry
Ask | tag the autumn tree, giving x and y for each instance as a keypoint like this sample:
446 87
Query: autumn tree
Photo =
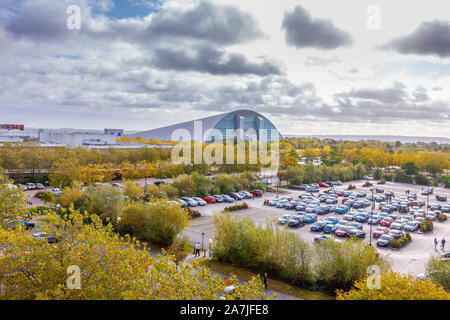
395 286
12 202
110 267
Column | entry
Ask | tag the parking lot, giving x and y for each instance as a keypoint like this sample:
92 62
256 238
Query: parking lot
410 259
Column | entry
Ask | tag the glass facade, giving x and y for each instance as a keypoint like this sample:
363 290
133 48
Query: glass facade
236 120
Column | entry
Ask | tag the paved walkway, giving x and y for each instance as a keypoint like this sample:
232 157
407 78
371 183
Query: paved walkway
269 292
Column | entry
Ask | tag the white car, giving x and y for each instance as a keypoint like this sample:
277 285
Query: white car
284 219
56 191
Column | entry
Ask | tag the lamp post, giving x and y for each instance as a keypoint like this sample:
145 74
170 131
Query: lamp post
203 237
371 211
209 253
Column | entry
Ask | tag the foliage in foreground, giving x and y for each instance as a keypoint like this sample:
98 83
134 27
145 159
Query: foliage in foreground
110 267
395 286
438 270
286 256
12 202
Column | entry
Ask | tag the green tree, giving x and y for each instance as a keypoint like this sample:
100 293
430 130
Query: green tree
410 168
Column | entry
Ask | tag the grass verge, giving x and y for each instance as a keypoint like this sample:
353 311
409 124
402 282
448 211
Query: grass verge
244 274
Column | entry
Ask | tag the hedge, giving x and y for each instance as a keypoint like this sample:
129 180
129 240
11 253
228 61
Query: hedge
400 243
236 207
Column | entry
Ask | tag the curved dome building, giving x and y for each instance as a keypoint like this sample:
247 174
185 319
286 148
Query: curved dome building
239 123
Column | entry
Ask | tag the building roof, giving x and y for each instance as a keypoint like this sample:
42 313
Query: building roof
165 133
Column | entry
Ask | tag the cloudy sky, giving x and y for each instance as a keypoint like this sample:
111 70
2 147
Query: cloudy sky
311 66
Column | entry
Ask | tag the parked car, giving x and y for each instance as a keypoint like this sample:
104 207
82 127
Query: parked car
386 221
296 221
257 193
350 216
218 198
379 190
284 219
396 226
56 191
355 225
209 199
342 231
182 203
234 195
323 237
410 226
40 186
310 218
427 192
200 201
318 226
441 198
384 240
357 233
331 220
227 198
397 234
362 217
330 228
323 185
374 220
245 195
50 237
361 194
445 209
341 209
30 186
379 231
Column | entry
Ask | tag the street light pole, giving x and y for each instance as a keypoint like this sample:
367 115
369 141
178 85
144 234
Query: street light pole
209 253
371 211
203 236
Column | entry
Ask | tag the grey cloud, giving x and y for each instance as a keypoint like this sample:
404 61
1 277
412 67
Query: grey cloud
302 31
212 61
430 38
222 25
320 62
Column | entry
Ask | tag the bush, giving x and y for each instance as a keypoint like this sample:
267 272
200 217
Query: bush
236 207
400 243
382 181
388 177
192 213
37 210
442 218
159 222
351 187
439 272
426 225
285 256
367 184
46 196
339 265
421 179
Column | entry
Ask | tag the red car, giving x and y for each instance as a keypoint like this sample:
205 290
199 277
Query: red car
379 232
323 185
342 231
209 199
257 193
386 221
339 193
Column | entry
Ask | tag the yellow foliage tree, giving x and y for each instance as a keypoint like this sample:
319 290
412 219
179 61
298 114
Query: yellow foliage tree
395 286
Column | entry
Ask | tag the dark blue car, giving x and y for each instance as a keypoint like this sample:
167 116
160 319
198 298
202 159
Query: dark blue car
318 226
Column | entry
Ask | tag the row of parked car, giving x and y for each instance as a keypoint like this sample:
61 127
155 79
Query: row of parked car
229 197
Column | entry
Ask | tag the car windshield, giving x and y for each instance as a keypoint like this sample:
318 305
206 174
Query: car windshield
385 237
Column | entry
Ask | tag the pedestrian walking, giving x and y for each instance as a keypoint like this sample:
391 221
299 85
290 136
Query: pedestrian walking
435 244
266 280
443 244
197 249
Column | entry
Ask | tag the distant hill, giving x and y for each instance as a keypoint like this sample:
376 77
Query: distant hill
402 139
